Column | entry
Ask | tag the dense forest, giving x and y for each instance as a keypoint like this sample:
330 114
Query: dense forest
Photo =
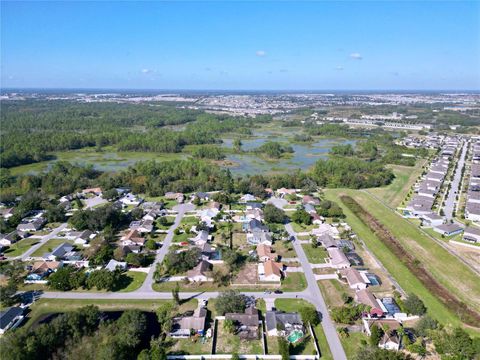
33 130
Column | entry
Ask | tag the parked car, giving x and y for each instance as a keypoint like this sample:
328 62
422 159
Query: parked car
278 291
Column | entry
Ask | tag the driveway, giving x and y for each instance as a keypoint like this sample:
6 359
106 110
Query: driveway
457 178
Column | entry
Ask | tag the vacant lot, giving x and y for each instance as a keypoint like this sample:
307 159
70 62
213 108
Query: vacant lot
315 255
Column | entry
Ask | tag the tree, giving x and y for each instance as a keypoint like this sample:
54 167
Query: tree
7 293
150 244
134 259
413 305
163 221
237 145
175 294
376 334
55 214
425 325
301 217
272 214
283 348
455 343
370 353
60 279
110 194
103 279
309 315
164 316
230 301
136 213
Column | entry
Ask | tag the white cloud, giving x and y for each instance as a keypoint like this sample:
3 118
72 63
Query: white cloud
147 71
261 53
356 56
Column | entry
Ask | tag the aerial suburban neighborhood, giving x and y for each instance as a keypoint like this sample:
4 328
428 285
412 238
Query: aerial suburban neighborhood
240 180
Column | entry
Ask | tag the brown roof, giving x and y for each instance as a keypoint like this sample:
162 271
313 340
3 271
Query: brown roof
42 266
264 250
273 268
365 297
353 276
201 269
134 235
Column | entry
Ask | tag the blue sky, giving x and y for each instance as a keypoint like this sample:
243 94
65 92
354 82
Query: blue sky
241 45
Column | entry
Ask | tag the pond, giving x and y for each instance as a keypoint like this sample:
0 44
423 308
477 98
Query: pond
304 156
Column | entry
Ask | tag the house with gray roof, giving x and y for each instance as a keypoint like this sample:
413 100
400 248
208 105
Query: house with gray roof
10 318
279 323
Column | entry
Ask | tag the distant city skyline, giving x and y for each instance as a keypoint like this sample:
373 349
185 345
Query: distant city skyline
282 46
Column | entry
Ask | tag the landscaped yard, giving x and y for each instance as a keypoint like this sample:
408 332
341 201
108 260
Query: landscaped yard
293 305
315 255
20 247
229 343
49 246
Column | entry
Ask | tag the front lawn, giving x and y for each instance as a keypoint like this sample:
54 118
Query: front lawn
49 246
20 247
133 280
315 255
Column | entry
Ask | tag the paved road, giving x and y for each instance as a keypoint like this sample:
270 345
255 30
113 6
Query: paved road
43 240
147 284
457 179
314 295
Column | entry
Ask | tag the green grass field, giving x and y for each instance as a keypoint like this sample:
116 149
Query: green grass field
20 247
434 255
315 255
49 246
136 280
405 177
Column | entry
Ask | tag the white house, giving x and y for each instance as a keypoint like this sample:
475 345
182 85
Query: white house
432 219
338 260
472 234
270 271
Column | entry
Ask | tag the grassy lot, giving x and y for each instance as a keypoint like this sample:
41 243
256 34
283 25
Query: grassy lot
299 228
49 246
294 281
48 306
182 237
405 177
229 343
315 255
192 346
401 273
135 280
20 247
293 305
284 249
332 292
353 343
170 219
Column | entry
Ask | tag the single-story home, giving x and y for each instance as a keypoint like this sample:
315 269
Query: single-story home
432 219
182 326
264 252
114 265
246 324
10 318
200 272
390 340
356 280
448 229
365 297
279 323
270 271
472 234
338 260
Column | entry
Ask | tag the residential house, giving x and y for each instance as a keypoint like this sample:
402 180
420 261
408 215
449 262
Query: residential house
8 239
264 252
246 324
41 269
6 213
31 224
247 198
64 251
253 205
309 208
201 238
365 297
472 211
182 326
282 192
279 323
472 234
254 214
259 237
307 199
200 272
143 226
96 191
338 260
206 250
254 225
270 271
130 199
82 237
356 280
390 340
327 241
132 237
431 219
448 229
114 265
10 318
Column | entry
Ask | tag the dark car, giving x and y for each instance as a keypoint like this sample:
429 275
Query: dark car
278 292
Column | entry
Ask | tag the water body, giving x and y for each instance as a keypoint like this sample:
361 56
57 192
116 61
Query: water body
304 156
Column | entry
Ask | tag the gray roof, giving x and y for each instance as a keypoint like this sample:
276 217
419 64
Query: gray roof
472 230
327 240
7 316
449 227
278 319
61 250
